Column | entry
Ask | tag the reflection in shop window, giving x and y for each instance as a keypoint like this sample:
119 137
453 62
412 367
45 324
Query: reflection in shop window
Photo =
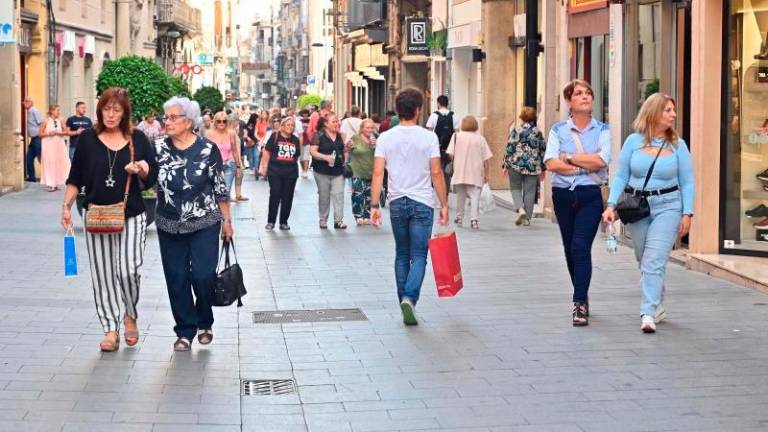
649 50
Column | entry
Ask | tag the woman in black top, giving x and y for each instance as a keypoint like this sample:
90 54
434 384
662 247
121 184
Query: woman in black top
192 210
328 156
279 163
101 167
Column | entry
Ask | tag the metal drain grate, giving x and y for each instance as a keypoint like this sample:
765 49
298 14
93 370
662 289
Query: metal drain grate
267 387
308 316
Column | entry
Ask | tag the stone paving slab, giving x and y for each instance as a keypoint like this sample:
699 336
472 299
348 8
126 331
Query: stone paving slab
501 356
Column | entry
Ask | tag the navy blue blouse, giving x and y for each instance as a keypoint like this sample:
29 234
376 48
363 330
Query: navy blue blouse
190 186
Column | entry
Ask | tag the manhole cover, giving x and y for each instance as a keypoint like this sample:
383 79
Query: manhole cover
266 387
306 316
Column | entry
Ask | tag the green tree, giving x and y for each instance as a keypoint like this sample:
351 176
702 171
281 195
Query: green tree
309 99
209 98
177 86
145 80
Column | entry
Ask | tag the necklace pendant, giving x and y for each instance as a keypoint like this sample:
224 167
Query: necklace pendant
110 182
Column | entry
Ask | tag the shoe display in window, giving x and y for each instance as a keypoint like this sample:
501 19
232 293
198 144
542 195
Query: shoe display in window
763 176
762 225
759 211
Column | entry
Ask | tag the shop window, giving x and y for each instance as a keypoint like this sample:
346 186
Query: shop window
589 61
745 152
649 50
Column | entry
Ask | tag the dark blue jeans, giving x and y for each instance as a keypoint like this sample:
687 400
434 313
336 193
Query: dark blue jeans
33 152
412 227
578 214
189 263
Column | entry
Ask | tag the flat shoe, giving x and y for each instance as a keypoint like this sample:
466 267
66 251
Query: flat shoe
205 336
182 344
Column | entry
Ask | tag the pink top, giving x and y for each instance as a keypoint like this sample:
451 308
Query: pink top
224 148
469 151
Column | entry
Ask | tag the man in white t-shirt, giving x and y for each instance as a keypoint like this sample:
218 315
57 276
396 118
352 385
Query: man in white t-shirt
411 156
350 126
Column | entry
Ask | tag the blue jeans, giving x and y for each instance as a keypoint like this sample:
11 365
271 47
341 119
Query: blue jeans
253 158
412 228
33 151
229 175
189 263
578 214
653 238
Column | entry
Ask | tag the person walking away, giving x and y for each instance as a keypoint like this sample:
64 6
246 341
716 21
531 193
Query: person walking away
524 164
444 123
151 127
259 134
376 118
306 157
578 153
54 153
251 141
411 154
655 163
278 165
328 156
236 129
350 126
192 210
361 149
34 121
226 141
76 124
385 123
107 158
471 157
314 118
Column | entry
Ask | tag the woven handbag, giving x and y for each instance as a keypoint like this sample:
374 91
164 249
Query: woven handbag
109 219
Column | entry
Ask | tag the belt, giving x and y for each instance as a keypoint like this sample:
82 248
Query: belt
633 191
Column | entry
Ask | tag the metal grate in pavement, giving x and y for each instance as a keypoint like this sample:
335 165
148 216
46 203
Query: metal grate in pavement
267 387
308 316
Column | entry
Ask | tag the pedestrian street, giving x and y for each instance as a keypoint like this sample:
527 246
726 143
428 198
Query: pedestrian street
500 356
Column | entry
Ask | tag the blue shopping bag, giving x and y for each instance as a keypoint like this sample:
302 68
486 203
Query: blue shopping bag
70 255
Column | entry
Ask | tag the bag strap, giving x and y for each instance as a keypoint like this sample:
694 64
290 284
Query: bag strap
128 180
650 170
580 148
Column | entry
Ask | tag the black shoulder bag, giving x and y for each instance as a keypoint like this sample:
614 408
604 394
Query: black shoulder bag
634 207
229 281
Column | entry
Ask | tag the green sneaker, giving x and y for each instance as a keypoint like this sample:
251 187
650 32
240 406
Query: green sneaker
409 314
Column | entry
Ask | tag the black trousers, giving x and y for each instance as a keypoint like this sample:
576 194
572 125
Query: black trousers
281 190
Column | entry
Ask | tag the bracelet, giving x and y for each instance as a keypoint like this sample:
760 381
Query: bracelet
66 206
375 206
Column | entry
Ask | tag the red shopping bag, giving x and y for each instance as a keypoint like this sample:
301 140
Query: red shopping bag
445 264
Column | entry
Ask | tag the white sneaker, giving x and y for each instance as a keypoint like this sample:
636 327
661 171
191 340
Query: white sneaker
409 314
660 315
647 325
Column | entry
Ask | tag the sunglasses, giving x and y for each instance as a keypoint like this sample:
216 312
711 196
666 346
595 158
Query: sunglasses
221 122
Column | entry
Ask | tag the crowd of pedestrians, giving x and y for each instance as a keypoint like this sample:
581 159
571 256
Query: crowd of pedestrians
196 160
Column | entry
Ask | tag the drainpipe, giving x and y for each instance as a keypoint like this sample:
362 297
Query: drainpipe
532 49
53 87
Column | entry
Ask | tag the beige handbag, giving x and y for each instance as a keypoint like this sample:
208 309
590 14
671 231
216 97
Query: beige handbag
109 219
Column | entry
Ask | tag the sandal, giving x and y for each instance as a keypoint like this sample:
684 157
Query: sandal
242 198
323 225
459 221
131 333
339 225
205 336
473 224
580 315
182 344
111 342
269 227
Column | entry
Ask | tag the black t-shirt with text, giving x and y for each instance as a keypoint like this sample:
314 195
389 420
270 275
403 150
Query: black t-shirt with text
284 155
76 122
327 146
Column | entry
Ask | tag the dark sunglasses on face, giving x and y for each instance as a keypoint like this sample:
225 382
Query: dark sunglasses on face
221 122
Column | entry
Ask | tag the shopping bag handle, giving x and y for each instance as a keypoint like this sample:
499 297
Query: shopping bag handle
442 231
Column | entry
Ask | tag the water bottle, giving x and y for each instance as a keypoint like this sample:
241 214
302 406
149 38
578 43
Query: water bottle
333 162
611 244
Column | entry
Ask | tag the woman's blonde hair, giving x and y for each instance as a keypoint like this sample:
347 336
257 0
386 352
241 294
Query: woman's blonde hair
469 124
650 115
221 115
363 123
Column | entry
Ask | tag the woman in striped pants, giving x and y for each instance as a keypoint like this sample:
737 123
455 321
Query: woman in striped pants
107 158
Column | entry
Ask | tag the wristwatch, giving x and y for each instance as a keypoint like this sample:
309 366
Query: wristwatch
569 157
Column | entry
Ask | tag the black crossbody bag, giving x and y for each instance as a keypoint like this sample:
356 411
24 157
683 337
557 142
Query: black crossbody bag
634 207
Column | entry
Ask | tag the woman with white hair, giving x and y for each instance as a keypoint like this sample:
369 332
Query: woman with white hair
192 210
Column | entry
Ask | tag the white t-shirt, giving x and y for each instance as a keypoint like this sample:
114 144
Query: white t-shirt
432 120
349 127
299 129
408 151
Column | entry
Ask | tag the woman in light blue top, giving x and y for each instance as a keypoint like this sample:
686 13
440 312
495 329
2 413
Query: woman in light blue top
670 193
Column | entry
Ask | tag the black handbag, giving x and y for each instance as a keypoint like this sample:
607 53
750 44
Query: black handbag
229 281
633 207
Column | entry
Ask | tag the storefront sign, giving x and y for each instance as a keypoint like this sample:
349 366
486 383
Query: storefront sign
466 35
416 31
576 6
7 23
378 56
362 56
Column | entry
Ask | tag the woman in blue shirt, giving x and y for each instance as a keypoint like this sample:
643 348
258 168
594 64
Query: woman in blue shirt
670 193
577 155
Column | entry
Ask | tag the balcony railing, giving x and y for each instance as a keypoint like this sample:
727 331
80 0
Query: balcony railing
180 14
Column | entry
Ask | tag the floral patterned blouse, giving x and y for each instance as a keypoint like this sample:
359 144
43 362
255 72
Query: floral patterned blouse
190 186
525 150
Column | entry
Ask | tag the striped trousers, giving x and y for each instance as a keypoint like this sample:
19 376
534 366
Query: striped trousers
115 260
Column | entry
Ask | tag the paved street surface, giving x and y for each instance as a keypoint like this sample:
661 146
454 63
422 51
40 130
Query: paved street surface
501 356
